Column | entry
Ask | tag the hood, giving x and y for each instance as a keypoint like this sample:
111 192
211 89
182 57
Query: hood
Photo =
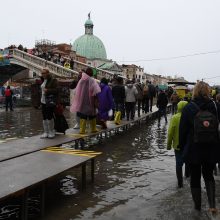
202 102
181 105
102 85
84 76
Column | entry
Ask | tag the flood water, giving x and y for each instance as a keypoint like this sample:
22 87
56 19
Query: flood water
133 177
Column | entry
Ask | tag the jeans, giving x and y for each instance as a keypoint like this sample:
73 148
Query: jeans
179 159
174 107
206 169
145 104
162 111
8 102
130 110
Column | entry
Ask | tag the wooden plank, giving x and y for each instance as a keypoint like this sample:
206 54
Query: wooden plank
19 147
25 171
85 153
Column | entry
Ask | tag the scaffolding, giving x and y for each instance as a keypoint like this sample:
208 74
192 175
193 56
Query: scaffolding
44 44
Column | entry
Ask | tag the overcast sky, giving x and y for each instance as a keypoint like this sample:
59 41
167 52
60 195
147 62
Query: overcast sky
130 30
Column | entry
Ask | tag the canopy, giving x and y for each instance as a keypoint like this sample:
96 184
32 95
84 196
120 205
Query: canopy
181 82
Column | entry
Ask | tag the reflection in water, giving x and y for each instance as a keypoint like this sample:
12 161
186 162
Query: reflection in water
20 123
133 168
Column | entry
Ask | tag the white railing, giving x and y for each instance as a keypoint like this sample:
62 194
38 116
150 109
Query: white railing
58 70
39 63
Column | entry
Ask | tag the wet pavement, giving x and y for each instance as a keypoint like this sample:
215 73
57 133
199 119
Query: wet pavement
134 178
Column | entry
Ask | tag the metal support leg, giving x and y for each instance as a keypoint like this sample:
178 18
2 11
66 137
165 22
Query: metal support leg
82 143
24 211
76 144
83 176
92 170
42 199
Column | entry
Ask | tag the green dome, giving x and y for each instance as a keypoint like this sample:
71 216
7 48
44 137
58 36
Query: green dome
89 22
90 47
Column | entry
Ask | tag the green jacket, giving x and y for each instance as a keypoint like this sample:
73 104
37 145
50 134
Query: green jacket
173 131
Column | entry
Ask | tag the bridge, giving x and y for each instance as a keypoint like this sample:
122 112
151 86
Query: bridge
20 60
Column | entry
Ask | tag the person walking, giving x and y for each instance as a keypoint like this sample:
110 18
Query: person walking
118 93
49 98
72 96
130 100
173 141
139 88
105 101
174 99
152 94
145 100
162 102
199 142
8 98
85 100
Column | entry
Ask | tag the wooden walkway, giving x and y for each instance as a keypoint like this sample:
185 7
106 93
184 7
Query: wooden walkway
28 162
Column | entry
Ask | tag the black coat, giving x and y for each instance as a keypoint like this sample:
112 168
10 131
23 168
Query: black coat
118 93
197 153
162 100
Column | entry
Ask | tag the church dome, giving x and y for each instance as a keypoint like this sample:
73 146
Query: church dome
89 22
88 45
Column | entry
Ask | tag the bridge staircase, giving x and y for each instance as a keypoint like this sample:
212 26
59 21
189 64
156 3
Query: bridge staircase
36 64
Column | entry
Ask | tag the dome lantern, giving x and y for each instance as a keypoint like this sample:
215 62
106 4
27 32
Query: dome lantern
89 25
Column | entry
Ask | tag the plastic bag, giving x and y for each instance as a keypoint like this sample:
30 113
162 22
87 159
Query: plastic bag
110 113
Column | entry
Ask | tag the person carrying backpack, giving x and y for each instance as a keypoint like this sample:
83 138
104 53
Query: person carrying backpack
200 143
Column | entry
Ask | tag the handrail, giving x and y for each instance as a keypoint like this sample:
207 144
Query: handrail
56 69
40 63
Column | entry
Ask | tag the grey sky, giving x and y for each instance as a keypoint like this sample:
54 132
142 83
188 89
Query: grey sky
130 30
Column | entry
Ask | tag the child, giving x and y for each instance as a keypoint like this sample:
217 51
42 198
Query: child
173 140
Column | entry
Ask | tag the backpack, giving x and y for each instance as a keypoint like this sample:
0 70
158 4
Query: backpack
205 127
145 90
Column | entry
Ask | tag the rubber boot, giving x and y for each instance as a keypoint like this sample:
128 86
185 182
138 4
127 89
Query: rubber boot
82 124
179 175
210 190
196 195
51 131
45 127
117 118
93 125
77 123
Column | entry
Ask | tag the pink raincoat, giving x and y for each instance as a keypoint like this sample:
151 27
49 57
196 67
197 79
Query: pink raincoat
84 99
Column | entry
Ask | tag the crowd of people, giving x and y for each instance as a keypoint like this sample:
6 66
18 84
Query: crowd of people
55 57
193 133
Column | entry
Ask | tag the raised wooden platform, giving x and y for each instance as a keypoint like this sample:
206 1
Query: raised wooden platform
15 148
23 172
